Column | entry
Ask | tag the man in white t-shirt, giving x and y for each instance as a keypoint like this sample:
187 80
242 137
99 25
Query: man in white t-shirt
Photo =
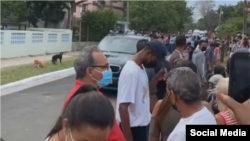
183 89
133 106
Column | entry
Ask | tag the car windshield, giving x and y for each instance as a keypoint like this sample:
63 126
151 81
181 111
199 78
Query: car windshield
119 44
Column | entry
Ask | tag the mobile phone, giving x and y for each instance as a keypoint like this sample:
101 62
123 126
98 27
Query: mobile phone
239 76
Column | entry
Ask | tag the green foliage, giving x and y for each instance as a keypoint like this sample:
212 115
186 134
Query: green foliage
232 26
209 22
159 15
97 24
35 10
230 11
48 10
232 19
16 11
184 14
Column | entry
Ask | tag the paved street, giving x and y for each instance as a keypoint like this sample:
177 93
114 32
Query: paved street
28 115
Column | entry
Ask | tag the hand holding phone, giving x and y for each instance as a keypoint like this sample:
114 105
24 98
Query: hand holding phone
162 74
239 109
239 76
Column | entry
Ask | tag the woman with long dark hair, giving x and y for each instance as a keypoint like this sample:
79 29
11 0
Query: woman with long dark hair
88 116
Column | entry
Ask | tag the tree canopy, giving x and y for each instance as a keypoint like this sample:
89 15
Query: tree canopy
97 24
209 22
35 10
232 18
159 15
15 11
231 11
144 15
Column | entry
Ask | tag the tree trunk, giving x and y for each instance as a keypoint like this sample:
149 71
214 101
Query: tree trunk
34 24
33 21
68 19
71 11
46 23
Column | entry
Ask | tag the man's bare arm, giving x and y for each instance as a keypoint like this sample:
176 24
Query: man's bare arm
123 110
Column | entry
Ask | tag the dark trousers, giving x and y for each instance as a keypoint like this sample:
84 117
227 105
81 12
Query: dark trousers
139 133
167 47
191 53
222 56
172 48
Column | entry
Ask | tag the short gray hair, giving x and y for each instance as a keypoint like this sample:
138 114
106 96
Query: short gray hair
85 60
185 83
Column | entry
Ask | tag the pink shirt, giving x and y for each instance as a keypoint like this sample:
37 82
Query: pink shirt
241 44
216 51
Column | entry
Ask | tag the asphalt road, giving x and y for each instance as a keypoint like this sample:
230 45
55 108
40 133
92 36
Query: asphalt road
28 115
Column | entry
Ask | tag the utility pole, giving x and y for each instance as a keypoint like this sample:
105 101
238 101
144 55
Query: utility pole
127 14
245 13
244 17
70 17
80 26
80 30
221 12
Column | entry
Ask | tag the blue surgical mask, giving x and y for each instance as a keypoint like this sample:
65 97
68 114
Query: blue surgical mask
106 78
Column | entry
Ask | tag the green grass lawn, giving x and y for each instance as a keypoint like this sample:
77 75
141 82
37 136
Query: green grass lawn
12 74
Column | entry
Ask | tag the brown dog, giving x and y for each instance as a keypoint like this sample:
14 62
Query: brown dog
38 63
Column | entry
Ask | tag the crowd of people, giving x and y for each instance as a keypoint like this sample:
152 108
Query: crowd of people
156 98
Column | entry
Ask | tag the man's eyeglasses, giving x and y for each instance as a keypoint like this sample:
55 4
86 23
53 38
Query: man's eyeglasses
106 67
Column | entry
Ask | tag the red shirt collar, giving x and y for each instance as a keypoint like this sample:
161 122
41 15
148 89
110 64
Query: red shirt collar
78 84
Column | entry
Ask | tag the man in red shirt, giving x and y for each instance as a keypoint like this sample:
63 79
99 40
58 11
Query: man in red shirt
92 67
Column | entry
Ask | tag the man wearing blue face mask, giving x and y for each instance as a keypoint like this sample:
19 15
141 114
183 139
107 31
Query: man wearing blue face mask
92 67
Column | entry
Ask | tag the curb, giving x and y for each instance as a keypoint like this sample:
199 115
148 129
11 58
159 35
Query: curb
36 80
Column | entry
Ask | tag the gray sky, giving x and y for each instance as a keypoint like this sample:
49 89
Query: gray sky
196 15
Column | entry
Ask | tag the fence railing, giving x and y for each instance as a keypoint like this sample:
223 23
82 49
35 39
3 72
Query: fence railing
18 43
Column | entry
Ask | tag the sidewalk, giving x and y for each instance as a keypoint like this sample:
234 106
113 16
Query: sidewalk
29 60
